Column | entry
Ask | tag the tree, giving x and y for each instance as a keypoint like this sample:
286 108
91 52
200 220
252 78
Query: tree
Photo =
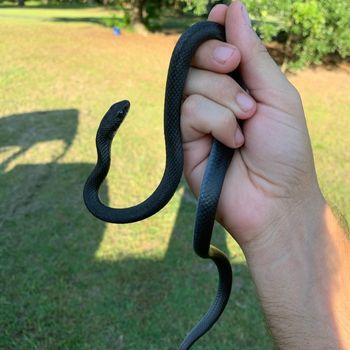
202 7
312 29
140 11
137 9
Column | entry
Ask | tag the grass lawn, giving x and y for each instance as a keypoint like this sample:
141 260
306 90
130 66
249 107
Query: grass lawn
34 14
69 281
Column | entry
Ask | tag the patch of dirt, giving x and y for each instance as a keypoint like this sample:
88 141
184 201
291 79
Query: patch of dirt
324 81
331 62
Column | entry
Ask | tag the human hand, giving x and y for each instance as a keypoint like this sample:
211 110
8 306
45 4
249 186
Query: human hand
272 172
297 253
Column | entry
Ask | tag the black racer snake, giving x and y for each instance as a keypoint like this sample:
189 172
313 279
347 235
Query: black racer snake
218 162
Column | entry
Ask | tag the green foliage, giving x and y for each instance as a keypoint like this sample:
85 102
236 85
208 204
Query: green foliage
153 9
114 21
310 30
308 33
201 7
198 7
313 29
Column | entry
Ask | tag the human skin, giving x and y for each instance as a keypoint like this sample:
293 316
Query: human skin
271 203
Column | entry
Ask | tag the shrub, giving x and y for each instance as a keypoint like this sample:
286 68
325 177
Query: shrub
311 29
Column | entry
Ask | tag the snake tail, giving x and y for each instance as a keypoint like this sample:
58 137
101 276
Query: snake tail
213 179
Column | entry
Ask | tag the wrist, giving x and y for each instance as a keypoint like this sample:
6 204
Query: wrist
301 272
295 225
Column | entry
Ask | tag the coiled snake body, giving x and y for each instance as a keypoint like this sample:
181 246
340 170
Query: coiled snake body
219 159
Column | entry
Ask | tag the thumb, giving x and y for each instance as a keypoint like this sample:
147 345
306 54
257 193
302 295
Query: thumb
259 72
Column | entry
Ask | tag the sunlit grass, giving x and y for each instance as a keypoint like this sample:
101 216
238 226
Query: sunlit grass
70 281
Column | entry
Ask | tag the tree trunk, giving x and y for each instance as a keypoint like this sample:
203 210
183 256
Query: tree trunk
21 3
178 4
286 53
137 12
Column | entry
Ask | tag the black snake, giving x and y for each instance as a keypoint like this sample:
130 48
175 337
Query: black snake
219 159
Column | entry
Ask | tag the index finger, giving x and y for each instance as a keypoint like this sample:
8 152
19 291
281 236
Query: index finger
215 55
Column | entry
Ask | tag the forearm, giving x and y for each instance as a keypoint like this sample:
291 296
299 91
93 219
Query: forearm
302 277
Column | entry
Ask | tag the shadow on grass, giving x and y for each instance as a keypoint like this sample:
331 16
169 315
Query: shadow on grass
104 21
58 5
57 295
172 24
165 24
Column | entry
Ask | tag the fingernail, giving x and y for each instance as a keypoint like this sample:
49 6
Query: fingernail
245 102
239 138
222 53
245 16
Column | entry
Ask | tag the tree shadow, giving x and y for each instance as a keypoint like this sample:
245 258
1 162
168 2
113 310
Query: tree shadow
58 295
53 5
170 24
102 21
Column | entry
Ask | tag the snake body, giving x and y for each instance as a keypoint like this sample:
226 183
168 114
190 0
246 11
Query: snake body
218 162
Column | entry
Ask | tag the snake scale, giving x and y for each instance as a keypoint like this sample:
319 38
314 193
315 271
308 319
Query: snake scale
218 162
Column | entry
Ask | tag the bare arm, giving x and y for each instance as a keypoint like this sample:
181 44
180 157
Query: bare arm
302 279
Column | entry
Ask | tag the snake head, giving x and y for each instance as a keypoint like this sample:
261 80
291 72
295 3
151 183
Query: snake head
119 109
112 120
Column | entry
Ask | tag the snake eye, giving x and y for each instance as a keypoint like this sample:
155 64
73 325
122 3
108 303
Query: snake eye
120 108
112 120
125 107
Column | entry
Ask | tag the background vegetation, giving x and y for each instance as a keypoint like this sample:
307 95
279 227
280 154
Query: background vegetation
308 31
69 281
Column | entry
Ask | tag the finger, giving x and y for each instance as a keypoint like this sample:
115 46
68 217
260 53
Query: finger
259 71
222 89
201 116
218 13
216 56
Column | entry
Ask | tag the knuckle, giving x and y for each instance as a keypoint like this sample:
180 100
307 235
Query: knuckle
228 120
224 86
228 114
191 105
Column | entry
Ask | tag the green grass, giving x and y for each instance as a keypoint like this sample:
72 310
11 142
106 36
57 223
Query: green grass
90 14
81 13
69 281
